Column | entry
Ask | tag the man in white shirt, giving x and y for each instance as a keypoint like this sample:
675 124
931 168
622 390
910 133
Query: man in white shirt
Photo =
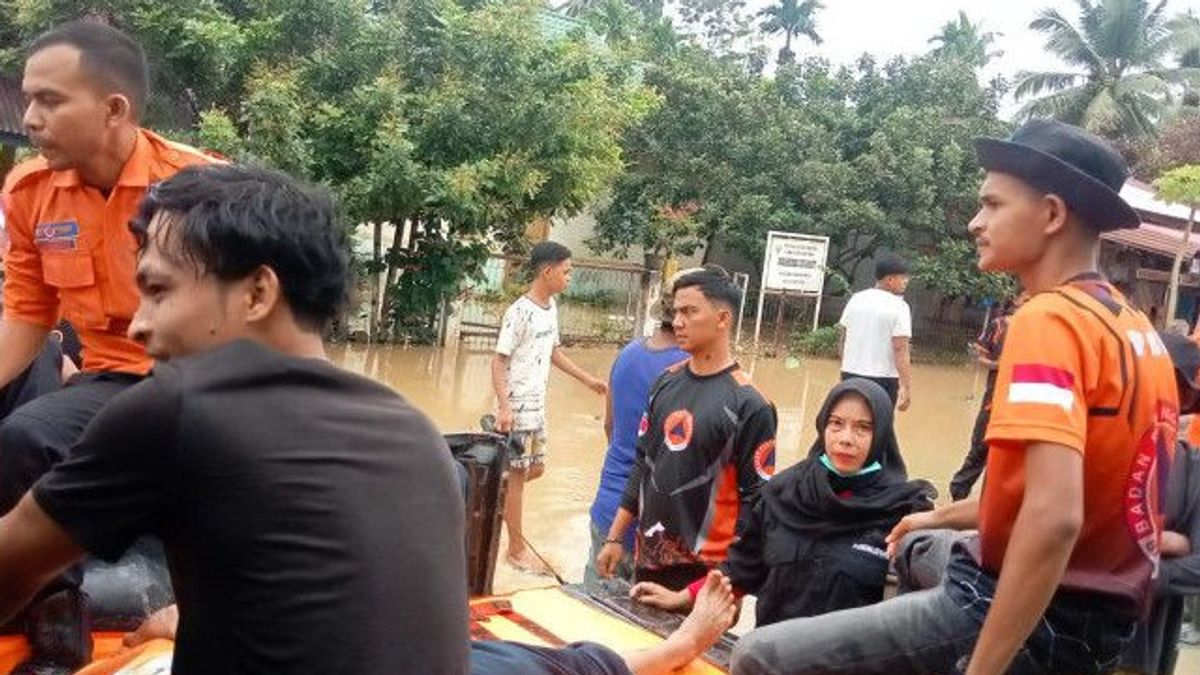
527 346
875 330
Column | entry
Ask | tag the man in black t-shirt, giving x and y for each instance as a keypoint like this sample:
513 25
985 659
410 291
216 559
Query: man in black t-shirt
705 447
311 517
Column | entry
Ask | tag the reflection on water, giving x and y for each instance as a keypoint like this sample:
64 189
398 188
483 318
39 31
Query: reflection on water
454 386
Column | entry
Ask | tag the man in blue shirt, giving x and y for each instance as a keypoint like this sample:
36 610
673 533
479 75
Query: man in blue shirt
637 367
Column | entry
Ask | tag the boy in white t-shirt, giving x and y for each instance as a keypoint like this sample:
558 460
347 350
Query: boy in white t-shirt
527 346
875 330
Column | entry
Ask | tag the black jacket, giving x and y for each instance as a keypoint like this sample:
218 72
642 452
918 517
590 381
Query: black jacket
814 542
1155 646
795 575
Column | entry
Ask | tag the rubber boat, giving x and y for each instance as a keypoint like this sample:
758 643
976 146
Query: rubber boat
122 595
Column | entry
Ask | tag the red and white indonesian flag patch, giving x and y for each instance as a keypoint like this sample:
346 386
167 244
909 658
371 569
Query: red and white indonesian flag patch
1047 385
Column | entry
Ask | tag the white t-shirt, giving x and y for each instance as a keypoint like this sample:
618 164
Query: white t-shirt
528 336
872 318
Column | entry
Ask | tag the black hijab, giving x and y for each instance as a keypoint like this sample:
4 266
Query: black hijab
805 496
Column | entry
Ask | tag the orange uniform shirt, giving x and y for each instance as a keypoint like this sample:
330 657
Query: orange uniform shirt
1082 368
71 254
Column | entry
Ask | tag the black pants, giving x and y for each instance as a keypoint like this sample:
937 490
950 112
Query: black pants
976 459
43 377
40 434
890 384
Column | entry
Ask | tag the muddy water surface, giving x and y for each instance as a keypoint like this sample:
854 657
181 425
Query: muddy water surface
454 388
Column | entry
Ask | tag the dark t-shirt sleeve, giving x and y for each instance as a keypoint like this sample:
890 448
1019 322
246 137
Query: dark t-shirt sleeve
754 452
633 486
745 565
114 486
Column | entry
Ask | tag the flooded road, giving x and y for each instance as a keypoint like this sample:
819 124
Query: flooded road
453 387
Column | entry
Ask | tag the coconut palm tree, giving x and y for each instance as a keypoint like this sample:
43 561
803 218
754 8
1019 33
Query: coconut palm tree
962 39
792 18
1119 81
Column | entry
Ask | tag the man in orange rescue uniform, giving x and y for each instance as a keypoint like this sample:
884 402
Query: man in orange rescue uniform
72 256
1081 437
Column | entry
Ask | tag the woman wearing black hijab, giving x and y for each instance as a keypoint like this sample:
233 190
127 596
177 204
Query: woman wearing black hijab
815 539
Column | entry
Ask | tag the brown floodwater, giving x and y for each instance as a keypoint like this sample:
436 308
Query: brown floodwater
453 387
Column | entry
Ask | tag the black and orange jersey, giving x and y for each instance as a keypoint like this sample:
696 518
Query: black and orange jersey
705 447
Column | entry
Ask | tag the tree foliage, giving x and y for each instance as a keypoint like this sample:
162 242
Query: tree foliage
874 157
965 40
458 123
1120 82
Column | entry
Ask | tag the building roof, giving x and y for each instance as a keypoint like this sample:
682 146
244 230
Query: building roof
12 110
1164 241
1143 199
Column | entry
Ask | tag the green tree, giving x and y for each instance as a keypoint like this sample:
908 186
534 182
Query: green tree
792 18
1179 186
963 39
454 124
1119 83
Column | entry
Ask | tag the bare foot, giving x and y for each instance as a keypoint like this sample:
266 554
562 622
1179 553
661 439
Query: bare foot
160 625
712 614
527 562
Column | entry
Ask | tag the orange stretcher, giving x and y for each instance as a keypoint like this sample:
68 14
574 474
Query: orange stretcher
548 617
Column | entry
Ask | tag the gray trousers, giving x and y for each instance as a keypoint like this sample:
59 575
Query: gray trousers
932 631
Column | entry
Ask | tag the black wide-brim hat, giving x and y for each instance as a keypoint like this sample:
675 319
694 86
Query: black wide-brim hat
1065 160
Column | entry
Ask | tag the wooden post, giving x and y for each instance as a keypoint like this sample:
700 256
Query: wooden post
779 316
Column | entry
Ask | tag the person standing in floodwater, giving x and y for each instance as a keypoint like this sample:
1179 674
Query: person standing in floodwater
636 368
875 331
987 349
526 348
705 448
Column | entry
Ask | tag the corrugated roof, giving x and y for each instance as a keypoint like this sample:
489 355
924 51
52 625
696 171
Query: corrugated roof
1143 198
12 110
1162 241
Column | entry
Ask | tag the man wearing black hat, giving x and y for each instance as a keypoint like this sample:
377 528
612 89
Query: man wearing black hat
875 330
1082 433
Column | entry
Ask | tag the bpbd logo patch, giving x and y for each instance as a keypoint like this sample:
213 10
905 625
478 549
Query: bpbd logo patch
60 236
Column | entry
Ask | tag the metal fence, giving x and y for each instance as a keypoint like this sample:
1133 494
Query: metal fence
602 305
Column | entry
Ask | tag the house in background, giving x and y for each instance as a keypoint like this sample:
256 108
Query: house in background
1138 260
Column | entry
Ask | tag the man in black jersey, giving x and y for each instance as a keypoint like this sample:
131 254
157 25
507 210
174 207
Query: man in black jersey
705 447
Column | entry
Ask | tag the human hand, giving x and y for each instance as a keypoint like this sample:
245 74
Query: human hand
608 558
910 523
504 419
902 399
1174 545
655 595
599 386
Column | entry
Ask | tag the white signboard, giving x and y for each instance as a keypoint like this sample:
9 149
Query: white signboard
795 263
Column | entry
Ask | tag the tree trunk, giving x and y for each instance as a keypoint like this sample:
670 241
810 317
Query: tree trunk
1173 287
385 311
377 266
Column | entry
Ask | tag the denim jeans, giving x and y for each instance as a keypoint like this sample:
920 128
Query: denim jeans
934 632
